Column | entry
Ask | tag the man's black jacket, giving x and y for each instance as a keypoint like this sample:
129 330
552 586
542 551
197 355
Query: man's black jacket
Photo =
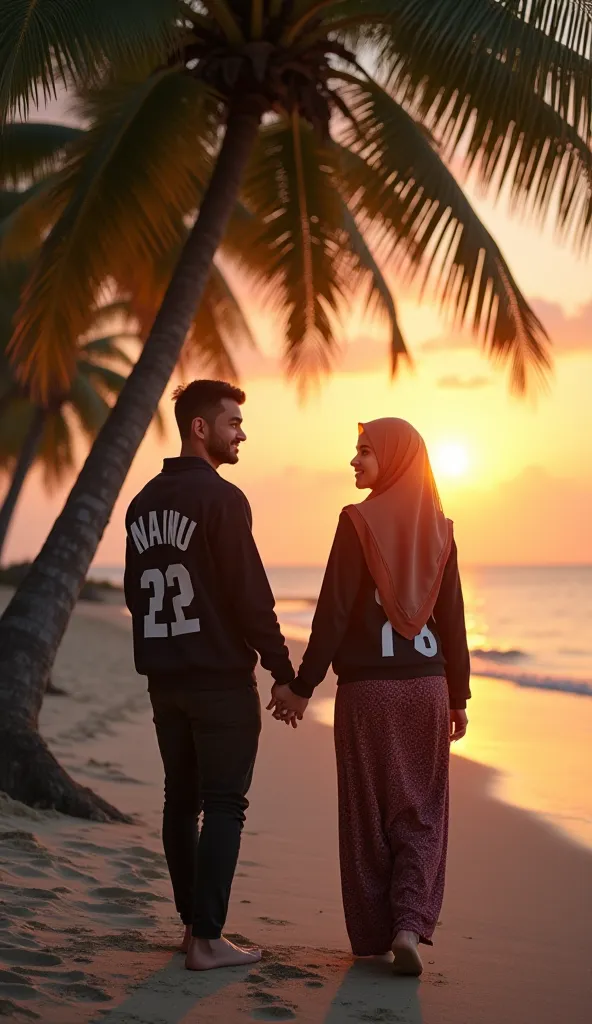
194 582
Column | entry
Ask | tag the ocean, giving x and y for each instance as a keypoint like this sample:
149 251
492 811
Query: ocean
530 635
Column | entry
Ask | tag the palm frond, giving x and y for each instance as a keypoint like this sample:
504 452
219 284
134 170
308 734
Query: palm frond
546 45
449 47
26 218
113 318
105 379
46 43
30 150
219 326
96 351
400 188
218 330
292 190
222 13
139 168
531 147
364 272
15 420
57 450
530 137
87 400
267 241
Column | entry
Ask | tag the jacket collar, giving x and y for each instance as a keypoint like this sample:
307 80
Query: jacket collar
184 462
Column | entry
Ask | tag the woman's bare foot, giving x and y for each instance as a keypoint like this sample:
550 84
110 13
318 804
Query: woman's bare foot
186 939
207 954
407 958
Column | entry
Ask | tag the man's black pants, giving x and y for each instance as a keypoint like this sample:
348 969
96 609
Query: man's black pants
208 742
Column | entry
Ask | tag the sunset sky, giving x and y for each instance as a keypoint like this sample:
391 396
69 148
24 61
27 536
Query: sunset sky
524 490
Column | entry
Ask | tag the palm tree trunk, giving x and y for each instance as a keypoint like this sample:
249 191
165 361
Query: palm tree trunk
23 465
35 621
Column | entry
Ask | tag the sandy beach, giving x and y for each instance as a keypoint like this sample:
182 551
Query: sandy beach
88 930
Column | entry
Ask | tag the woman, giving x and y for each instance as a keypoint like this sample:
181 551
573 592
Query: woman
390 618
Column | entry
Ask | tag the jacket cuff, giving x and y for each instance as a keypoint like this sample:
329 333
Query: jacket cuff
300 688
284 678
458 704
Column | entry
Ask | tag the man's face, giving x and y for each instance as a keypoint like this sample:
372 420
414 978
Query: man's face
224 434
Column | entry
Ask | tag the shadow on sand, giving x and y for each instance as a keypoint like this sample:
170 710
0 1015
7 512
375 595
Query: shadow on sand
370 992
279 989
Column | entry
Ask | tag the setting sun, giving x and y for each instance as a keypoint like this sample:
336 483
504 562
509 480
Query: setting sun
451 460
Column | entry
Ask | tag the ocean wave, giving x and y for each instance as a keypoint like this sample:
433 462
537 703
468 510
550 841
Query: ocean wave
496 654
580 687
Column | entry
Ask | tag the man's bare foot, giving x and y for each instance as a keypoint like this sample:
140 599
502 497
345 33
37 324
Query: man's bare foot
186 939
407 958
207 954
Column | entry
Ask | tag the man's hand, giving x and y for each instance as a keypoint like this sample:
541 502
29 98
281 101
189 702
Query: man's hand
458 724
286 705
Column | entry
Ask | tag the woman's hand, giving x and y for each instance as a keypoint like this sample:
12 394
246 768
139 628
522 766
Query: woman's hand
287 706
458 724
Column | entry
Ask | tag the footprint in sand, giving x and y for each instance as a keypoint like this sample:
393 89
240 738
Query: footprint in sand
28 957
22 871
82 993
40 894
108 771
73 873
10 978
276 971
273 1013
277 922
20 991
11 937
133 896
150 874
25 842
141 853
139 879
263 997
11 1011
19 911
33 972
117 909
86 847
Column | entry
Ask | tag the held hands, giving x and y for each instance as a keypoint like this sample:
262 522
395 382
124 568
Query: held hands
287 706
458 724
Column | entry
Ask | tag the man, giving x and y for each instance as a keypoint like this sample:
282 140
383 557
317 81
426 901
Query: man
202 607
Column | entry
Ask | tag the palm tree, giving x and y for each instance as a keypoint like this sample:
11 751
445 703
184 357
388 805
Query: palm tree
30 433
333 123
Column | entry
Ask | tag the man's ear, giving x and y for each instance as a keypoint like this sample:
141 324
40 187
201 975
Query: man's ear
198 428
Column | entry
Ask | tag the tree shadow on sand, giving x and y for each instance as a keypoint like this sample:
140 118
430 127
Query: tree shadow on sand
370 992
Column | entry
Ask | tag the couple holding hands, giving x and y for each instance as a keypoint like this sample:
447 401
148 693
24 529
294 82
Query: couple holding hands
389 619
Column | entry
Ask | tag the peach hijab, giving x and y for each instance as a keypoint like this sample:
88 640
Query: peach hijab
404 534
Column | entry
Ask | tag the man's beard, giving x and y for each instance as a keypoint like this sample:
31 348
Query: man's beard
221 451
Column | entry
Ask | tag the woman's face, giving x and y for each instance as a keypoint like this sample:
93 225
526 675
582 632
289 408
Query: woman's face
365 464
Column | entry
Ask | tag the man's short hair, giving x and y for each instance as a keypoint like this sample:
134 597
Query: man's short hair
202 398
